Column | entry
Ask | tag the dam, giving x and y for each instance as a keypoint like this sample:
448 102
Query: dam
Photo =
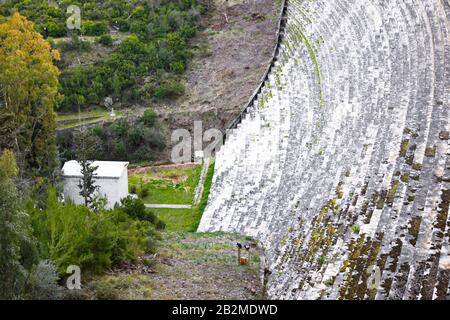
340 165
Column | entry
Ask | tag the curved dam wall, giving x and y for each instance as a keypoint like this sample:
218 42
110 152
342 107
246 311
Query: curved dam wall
341 167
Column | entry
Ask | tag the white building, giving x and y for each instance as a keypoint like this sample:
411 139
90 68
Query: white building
111 177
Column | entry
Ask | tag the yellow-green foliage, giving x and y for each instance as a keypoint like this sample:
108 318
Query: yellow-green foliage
29 94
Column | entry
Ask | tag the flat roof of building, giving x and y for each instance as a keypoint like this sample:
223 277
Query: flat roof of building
106 169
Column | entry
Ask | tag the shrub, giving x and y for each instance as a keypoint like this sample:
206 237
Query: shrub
76 44
159 41
43 281
143 193
55 30
143 153
105 291
154 138
149 117
177 67
91 28
355 229
105 40
74 235
135 137
188 31
122 24
169 89
15 233
98 131
135 208
120 128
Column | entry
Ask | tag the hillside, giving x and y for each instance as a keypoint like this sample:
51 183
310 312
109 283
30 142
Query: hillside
341 168
128 51
110 63
234 52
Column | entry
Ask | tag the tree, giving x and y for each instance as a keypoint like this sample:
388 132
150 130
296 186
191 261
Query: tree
14 232
86 143
28 96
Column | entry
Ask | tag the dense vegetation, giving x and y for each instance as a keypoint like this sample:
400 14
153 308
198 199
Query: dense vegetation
94 240
28 95
40 237
46 240
17 251
125 139
149 53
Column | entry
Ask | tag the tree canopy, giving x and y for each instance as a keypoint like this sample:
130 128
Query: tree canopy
28 96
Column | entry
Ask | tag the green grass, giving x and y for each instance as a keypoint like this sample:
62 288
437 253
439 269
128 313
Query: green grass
187 220
206 189
179 219
82 115
75 119
166 187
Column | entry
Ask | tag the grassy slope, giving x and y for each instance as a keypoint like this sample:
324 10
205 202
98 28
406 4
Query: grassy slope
187 219
175 187
167 187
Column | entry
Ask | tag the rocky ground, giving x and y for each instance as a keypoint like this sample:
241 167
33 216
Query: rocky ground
233 52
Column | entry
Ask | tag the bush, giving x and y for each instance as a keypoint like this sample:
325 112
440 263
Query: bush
122 24
177 67
149 117
74 235
91 28
120 151
105 40
135 137
55 30
43 281
154 138
76 44
120 128
105 291
143 193
169 89
98 131
188 31
135 208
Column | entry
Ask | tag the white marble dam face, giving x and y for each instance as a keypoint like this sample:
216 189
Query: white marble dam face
341 170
